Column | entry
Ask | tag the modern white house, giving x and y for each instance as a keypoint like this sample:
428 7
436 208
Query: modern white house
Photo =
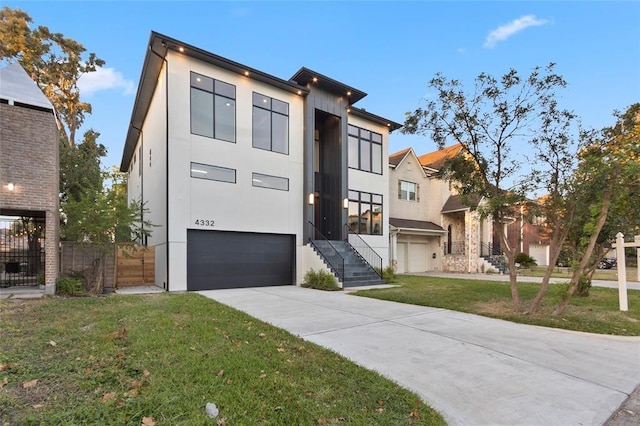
431 227
252 180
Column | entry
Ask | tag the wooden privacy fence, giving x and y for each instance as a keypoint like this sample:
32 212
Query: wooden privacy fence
123 268
135 266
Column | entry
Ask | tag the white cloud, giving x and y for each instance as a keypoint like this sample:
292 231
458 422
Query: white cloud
105 79
503 32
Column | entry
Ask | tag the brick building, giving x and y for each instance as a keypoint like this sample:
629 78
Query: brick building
29 174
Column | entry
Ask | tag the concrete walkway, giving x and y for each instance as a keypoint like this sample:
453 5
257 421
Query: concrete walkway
473 370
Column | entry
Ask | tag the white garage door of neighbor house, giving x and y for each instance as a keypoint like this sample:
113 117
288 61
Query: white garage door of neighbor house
540 253
417 258
402 257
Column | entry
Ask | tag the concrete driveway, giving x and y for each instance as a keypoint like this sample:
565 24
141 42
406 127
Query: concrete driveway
473 370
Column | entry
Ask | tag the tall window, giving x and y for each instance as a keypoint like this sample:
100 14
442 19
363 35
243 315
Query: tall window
270 124
408 191
213 108
365 213
365 150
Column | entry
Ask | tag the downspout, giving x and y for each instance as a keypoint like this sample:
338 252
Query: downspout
166 100
141 133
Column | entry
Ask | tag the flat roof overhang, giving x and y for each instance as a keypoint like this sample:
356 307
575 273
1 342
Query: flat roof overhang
159 45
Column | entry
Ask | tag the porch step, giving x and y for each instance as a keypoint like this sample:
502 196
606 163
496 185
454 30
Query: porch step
495 263
357 272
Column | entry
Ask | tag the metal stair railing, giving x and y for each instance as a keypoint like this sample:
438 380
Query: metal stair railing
365 251
337 266
494 253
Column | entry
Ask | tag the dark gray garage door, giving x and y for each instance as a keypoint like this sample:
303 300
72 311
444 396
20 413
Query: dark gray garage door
220 259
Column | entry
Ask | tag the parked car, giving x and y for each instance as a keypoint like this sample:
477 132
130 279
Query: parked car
608 263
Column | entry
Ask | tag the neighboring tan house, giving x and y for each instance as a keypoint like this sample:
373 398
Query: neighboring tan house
29 173
432 229
250 179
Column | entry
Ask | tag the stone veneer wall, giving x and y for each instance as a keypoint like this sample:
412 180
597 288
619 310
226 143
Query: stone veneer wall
29 158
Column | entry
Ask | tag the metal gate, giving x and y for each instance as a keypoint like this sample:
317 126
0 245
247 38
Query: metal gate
21 250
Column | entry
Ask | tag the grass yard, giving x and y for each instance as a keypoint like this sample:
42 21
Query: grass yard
158 359
598 313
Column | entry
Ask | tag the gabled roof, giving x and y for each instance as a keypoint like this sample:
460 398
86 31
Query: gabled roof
416 225
455 203
436 159
18 88
397 157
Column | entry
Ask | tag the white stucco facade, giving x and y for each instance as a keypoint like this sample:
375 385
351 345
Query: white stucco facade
162 151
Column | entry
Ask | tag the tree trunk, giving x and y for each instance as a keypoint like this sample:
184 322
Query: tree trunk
95 276
556 248
511 261
602 218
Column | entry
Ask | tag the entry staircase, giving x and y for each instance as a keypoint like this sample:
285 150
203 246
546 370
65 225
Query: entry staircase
494 257
348 263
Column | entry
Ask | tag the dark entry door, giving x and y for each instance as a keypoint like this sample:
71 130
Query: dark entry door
221 259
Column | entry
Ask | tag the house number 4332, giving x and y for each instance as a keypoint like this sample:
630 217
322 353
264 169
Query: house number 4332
205 222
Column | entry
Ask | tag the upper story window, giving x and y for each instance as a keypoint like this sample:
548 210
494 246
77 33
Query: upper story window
365 213
408 191
272 182
365 150
270 124
213 108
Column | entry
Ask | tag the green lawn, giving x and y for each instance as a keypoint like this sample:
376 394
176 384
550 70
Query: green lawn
158 359
598 313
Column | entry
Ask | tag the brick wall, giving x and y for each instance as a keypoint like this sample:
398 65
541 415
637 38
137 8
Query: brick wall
29 159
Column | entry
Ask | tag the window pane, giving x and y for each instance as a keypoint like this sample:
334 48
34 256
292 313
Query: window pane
261 128
376 220
201 113
365 218
365 155
354 195
376 137
353 130
280 107
261 101
353 152
201 82
376 199
205 171
225 119
225 89
273 182
280 134
353 219
365 196
365 134
376 158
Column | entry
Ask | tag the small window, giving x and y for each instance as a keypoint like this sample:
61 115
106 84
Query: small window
408 191
272 182
206 171
270 124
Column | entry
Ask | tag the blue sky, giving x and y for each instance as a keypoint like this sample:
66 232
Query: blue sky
389 50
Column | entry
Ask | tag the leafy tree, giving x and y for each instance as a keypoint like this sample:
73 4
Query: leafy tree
606 192
488 122
53 61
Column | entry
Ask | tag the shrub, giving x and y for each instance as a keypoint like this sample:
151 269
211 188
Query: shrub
388 274
67 286
584 284
525 260
320 280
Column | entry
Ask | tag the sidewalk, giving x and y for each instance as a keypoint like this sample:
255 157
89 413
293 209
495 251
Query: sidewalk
474 370
631 285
